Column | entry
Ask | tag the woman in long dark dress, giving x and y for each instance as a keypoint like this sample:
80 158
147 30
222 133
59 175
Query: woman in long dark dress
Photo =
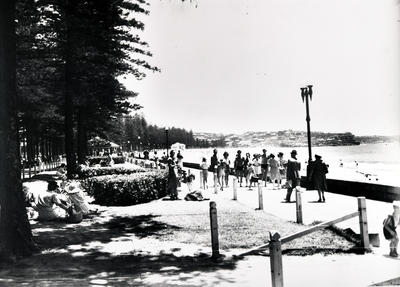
318 177
172 188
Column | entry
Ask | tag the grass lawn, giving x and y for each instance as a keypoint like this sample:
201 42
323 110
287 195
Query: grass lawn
240 227
169 238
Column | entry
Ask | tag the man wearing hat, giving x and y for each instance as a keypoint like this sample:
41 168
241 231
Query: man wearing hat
292 174
317 176
239 167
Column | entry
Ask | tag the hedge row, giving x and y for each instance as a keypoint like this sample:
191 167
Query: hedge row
85 171
97 159
122 190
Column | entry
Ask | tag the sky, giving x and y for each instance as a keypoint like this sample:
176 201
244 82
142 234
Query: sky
232 66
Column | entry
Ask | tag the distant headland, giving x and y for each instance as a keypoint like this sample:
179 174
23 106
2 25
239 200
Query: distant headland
290 138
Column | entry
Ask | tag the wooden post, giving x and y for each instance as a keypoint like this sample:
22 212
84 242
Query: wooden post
299 206
275 254
214 229
362 214
234 186
260 197
201 180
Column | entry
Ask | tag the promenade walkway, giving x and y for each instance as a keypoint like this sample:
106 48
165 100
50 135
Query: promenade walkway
158 263
319 270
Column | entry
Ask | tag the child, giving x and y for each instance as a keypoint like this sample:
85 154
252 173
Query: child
189 181
204 173
390 229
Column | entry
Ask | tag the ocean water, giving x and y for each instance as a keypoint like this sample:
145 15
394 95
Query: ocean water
377 163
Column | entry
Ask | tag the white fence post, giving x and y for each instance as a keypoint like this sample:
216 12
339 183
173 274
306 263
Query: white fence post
260 197
275 254
214 229
362 214
234 187
299 206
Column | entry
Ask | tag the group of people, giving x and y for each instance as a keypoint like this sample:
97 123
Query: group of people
265 167
65 201
175 172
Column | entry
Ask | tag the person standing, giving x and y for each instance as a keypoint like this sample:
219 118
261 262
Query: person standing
391 229
257 165
249 174
317 177
247 162
282 167
172 177
221 173
292 174
204 172
214 166
239 167
264 166
227 168
274 171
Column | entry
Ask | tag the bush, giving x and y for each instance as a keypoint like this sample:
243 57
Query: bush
85 172
97 159
122 190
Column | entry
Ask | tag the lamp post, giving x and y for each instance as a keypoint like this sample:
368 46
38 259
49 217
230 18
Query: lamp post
305 93
167 140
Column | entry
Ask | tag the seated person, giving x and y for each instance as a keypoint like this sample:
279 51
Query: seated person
77 197
49 205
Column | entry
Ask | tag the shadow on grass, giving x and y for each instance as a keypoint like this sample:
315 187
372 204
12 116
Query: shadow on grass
69 254
60 235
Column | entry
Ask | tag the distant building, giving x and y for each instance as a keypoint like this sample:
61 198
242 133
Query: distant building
178 146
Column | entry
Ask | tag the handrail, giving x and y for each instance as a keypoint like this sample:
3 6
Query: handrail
303 232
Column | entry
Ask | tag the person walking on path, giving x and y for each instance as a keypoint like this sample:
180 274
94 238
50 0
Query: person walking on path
317 177
239 167
214 162
247 161
391 226
257 165
282 167
227 163
204 172
172 187
250 174
292 174
274 170
264 166
221 173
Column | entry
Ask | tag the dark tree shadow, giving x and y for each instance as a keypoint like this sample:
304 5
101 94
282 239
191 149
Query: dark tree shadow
60 243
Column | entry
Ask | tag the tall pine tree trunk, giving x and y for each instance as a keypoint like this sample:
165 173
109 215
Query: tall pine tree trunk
69 89
82 136
15 231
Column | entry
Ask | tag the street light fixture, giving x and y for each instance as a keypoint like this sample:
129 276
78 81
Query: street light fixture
305 93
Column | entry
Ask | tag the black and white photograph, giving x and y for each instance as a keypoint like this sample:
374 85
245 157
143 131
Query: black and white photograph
197 143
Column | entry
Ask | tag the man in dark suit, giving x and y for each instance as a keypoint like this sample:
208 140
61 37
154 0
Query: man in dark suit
292 174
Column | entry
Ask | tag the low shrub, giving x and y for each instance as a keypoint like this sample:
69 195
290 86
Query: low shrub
85 171
122 190
97 159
